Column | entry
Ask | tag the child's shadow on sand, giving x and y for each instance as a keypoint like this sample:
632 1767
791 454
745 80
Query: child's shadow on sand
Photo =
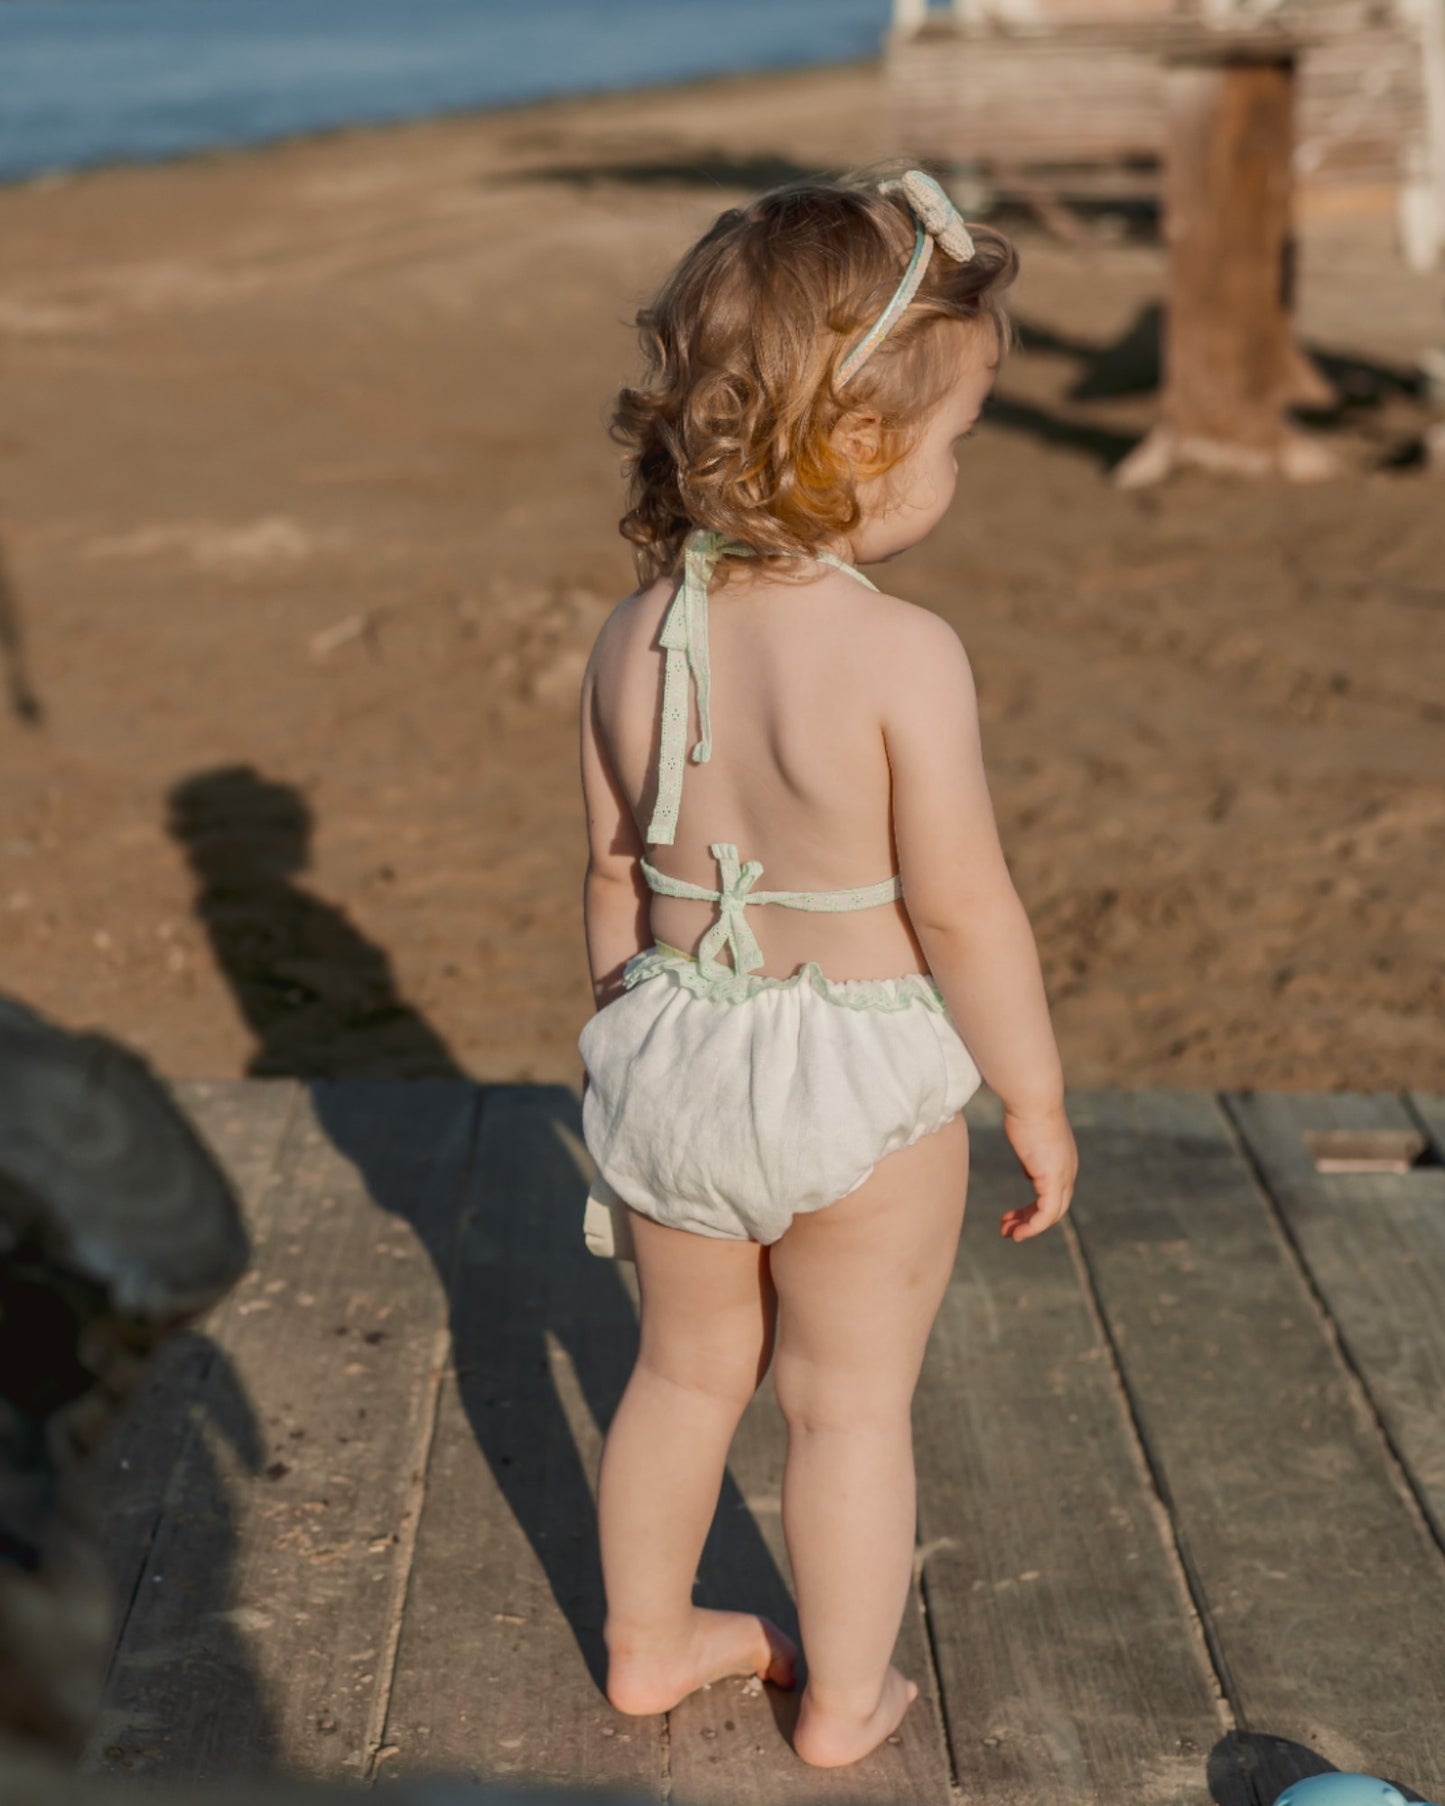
322 1002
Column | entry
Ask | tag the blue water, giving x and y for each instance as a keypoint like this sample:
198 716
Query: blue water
95 81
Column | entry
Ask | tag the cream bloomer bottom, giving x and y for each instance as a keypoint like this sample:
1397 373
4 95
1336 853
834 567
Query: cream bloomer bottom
727 1105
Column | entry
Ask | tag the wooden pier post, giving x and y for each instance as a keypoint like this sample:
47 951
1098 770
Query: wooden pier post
1231 367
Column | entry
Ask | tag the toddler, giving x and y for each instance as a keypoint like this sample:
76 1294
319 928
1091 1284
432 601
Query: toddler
778 1134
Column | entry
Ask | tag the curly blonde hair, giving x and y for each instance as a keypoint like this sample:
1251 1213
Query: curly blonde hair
733 427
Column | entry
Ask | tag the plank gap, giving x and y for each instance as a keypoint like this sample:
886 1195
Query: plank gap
442 1359
1171 1534
935 1675
126 1606
376 1741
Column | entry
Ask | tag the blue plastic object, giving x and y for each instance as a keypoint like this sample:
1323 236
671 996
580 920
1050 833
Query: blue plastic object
1341 1790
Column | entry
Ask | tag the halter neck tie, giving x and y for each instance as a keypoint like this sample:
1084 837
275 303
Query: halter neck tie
684 637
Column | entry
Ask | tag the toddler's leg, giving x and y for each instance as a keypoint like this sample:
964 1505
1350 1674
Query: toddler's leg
859 1285
707 1326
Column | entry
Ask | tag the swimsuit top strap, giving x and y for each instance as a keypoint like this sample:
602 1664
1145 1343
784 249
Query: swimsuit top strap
840 564
684 637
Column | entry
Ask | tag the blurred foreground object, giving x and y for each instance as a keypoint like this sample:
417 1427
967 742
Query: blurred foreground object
1066 99
116 1227
1341 1790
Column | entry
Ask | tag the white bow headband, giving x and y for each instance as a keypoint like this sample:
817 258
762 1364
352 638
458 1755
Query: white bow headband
940 223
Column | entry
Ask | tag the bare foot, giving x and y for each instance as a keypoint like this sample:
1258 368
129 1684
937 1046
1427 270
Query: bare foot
829 1738
643 1679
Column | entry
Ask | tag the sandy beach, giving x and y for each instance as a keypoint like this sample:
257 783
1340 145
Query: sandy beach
307 510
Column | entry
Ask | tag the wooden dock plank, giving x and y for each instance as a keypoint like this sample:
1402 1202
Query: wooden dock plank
729 1743
500 1652
1374 1246
263 1623
1072 1665
243 1123
1320 1586
1321 1591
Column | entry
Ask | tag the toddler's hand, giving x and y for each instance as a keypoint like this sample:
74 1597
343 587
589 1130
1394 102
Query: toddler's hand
1044 1144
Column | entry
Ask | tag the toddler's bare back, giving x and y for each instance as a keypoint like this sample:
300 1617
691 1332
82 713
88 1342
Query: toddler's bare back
799 777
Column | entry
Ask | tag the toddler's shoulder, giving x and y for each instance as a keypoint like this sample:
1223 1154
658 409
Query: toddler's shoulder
637 613
918 657
929 716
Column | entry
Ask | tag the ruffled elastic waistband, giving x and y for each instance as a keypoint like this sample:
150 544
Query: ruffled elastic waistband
899 993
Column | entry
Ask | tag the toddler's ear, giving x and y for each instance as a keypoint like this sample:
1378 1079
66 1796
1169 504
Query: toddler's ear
857 436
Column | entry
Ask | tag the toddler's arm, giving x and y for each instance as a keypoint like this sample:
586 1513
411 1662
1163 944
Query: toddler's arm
615 900
965 910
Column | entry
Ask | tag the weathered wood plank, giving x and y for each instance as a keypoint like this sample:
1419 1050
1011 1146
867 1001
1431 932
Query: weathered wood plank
243 1123
263 1624
1072 1665
500 1653
729 1742
1374 1246
1321 1590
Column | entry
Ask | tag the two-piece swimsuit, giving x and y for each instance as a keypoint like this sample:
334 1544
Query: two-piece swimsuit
726 1102
720 1100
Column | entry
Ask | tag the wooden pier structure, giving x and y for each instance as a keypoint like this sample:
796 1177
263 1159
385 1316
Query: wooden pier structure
1181 1470
1067 99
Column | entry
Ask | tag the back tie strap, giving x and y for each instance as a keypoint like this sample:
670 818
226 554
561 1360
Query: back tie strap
739 880
732 927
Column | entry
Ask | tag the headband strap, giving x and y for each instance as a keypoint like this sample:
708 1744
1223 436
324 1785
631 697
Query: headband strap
939 222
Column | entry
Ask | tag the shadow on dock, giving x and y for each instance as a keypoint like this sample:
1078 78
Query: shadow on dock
195 1554
322 1002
